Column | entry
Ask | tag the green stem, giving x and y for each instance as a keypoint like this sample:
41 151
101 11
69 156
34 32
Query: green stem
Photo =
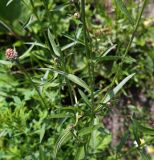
135 29
88 47
33 84
88 52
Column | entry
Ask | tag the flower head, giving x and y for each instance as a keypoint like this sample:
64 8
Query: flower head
11 54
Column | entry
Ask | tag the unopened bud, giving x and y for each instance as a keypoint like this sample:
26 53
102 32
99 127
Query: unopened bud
11 54
77 15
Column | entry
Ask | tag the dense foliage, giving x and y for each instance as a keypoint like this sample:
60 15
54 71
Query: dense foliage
82 85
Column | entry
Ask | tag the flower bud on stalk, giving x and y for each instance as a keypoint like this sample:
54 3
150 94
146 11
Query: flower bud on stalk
11 54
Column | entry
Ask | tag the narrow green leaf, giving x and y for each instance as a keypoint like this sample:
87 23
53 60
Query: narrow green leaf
80 153
68 46
63 138
60 115
55 47
88 130
85 98
9 2
78 81
5 62
37 44
108 51
28 22
42 132
113 92
71 77
27 53
124 10
6 26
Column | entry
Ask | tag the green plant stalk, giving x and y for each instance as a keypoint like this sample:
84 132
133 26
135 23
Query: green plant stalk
32 83
133 34
135 29
90 68
88 52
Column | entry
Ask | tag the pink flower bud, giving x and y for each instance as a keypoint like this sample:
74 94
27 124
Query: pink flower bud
11 54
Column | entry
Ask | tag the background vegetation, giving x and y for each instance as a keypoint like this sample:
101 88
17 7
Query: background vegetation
82 86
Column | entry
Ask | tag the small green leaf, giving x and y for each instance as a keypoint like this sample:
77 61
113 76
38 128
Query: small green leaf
37 44
28 22
113 92
78 81
85 98
42 132
9 2
6 26
5 62
108 51
55 47
27 53
124 10
69 46
71 77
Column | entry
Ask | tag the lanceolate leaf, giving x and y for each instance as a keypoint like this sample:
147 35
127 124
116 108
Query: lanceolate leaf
9 2
124 10
63 138
71 77
42 132
85 98
113 92
55 47
78 81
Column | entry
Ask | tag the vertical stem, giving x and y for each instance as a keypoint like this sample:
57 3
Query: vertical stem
88 53
88 47
135 29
